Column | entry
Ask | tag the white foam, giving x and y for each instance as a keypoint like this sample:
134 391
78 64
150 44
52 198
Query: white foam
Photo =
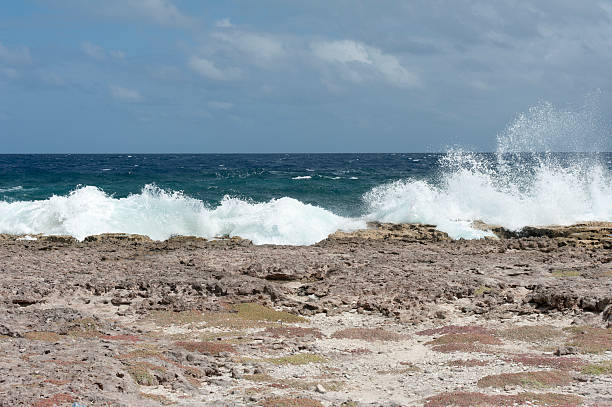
302 177
161 214
525 185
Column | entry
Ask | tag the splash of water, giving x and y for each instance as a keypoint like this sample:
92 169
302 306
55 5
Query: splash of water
524 183
160 214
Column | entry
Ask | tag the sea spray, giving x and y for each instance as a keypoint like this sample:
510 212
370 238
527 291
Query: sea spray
524 183
160 214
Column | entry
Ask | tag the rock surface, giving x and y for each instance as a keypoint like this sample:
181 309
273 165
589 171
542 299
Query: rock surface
393 315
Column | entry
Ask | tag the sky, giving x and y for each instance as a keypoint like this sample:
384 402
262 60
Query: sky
192 76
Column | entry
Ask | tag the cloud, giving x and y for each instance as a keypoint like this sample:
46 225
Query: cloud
124 94
208 69
97 52
350 54
15 56
260 48
220 105
224 23
162 12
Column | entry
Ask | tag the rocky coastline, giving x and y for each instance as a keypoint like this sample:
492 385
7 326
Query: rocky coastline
393 315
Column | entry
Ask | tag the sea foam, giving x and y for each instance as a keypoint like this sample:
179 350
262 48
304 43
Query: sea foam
160 214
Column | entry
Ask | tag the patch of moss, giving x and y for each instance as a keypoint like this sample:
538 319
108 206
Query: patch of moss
144 351
366 334
470 399
565 273
42 336
163 400
537 380
484 339
553 362
292 332
291 402
483 289
296 359
601 368
531 333
256 312
293 383
167 318
590 339
141 374
206 347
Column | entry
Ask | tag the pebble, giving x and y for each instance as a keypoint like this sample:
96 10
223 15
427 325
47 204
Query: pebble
321 389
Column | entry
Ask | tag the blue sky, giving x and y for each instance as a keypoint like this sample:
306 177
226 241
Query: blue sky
296 76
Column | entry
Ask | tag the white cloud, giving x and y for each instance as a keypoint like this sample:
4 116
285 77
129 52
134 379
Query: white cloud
97 52
220 105
15 56
208 69
349 54
124 94
224 23
262 48
341 51
161 11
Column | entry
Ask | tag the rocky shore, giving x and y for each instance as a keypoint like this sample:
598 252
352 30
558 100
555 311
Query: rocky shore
395 315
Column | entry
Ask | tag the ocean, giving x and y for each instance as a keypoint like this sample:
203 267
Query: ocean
297 199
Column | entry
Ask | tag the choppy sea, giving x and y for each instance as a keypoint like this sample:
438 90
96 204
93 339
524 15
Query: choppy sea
297 198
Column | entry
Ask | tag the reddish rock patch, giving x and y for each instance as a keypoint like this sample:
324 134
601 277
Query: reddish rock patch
55 400
538 380
556 362
464 342
467 399
56 382
455 329
484 339
591 339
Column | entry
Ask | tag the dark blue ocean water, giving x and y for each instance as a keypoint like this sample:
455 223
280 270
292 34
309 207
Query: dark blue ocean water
297 198
337 181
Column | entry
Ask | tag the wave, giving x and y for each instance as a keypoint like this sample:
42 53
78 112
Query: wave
160 214
523 184
546 194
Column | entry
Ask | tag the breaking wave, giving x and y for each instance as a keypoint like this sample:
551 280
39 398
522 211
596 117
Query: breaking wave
160 214
524 183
